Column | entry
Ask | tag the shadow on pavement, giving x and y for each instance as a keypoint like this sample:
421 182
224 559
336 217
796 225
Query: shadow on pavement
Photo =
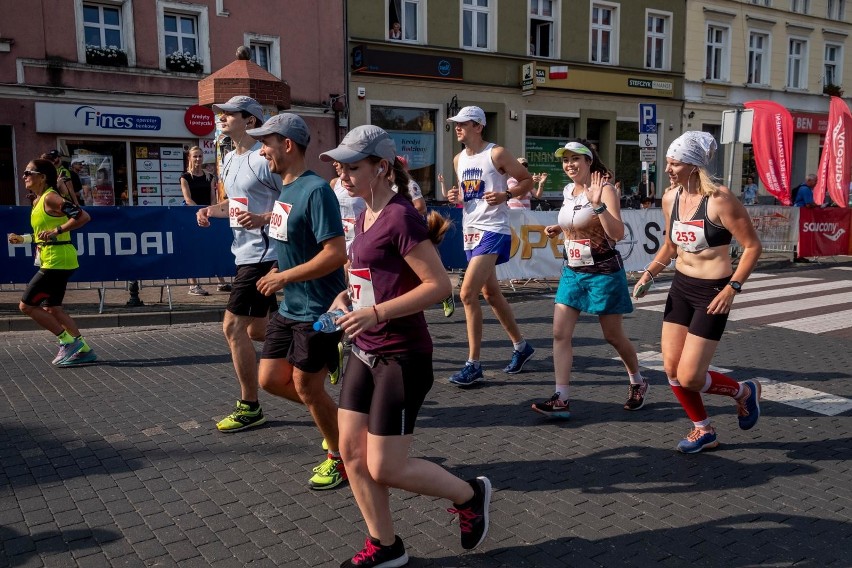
18 548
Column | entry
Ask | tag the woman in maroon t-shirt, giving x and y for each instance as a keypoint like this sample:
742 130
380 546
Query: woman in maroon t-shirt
395 274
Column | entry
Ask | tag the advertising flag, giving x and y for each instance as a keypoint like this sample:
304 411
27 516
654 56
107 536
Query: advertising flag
834 166
772 142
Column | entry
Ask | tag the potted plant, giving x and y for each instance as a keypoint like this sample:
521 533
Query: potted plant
832 90
110 55
184 62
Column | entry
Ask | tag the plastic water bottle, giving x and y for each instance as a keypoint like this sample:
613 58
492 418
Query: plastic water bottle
327 323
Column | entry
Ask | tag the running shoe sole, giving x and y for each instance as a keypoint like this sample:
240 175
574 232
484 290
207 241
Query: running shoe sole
259 422
563 414
465 385
80 358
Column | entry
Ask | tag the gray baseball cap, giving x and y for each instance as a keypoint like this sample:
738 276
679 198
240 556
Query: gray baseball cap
286 124
241 103
362 142
473 113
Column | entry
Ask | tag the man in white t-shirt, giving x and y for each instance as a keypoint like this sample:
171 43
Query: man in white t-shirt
251 193
482 170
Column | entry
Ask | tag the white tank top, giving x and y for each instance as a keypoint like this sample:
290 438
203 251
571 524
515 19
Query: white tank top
477 175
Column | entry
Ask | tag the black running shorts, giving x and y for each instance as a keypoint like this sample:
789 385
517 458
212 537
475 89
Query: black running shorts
47 286
304 348
245 299
391 393
687 305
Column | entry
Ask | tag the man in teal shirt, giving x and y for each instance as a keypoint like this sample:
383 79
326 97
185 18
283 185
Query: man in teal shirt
308 234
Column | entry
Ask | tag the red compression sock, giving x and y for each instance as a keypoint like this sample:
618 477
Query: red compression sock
691 402
717 383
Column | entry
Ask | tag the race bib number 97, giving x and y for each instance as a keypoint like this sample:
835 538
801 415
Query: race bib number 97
361 291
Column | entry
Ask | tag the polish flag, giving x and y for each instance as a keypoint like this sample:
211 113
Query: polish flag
559 72
834 165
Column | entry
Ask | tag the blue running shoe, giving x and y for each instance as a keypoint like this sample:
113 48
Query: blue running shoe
519 359
748 407
697 440
66 350
467 376
80 358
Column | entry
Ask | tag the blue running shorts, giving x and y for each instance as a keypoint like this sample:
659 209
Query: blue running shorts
597 294
492 243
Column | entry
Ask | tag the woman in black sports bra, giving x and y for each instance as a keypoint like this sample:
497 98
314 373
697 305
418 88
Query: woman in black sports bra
702 217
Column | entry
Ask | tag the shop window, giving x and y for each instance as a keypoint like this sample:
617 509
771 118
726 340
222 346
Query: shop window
832 65
716 163
627 165
543 27
404 20
476 21
104 173
413 131
544 135
604 33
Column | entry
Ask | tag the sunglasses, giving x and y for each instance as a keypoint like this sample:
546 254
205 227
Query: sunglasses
28 173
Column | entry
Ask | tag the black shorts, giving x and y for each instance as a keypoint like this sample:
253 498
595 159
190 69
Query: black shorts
48 287
687 305
391 392
245 299
304 348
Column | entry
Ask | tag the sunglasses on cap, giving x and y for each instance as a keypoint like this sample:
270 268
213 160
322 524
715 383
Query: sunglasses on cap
28 173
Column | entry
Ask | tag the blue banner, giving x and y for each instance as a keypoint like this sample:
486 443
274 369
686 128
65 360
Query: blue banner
154 243
129 243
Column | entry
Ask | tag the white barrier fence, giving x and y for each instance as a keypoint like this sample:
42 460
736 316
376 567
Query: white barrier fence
535 256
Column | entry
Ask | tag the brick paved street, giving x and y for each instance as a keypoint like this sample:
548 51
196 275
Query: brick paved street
119 464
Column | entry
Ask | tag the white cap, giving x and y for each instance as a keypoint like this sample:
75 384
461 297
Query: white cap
473 113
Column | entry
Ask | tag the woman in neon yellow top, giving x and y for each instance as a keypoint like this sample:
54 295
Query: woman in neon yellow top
53 219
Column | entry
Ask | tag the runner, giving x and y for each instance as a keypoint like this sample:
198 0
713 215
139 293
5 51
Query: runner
701 217
483 169
53 218
396 273
593 278
251 192
311 252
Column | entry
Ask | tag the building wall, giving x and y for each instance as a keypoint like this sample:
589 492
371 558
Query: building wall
44 64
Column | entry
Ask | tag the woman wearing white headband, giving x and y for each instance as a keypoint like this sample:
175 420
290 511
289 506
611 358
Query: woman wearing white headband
593 278
701 218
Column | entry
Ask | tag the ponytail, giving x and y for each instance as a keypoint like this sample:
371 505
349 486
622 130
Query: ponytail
401 178
437 225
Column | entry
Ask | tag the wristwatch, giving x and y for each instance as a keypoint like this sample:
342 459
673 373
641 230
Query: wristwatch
736 286
508 195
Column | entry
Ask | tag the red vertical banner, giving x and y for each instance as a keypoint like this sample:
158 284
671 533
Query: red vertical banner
824 232
835 169
772 142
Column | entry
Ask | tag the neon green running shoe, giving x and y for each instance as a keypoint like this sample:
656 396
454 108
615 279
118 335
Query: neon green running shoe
329 474
241 418
334 376
449 305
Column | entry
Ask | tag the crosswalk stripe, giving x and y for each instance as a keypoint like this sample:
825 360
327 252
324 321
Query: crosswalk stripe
801 304
797 396
819 324
803 397
657 294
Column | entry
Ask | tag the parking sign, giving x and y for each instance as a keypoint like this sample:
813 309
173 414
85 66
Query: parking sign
647 118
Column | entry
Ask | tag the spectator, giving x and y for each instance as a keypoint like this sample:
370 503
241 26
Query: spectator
523 201
804 197
64 187
76 182
395 31
749 191
646 191
414 190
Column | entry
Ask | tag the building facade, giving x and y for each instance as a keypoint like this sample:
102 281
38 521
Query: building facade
544 71
112 82
791 52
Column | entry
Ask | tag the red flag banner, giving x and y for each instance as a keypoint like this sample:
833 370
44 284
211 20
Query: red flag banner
772 141
834 165
824 232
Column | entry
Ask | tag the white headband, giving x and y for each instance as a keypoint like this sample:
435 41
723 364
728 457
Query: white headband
693 147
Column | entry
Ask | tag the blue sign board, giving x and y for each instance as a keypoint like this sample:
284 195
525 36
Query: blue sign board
647 118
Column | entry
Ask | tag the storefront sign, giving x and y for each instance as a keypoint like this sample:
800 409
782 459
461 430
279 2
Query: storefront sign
199 120
562 77
809 123
540 153
528 78
406 64
416 147
100 120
